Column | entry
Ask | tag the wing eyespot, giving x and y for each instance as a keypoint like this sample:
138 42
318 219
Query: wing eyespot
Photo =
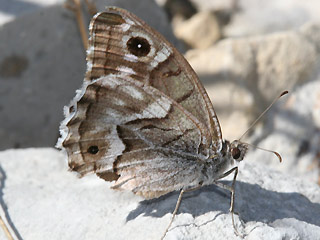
138 46
93 149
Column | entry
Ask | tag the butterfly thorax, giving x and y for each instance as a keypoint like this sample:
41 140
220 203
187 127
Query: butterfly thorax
219 163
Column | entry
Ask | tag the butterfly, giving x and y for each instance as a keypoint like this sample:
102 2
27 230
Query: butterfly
142 117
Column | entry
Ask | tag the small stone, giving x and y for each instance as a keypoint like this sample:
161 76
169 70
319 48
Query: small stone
200 31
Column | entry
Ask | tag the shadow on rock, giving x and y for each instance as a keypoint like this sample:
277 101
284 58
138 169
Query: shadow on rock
252 202
3 205
261 205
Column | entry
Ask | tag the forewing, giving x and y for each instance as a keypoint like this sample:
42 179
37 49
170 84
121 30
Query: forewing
163 67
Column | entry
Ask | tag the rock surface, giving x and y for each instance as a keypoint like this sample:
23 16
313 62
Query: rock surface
10 10
45 201
244 75
253 17
202 30
214 5
293 130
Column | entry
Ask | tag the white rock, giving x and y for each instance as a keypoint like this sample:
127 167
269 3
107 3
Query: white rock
293 131
45 201
215 5
246 74
232 105
266 63
200 31
259 17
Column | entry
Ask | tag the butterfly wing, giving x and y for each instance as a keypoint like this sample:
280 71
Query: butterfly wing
157 63
142 117
132 133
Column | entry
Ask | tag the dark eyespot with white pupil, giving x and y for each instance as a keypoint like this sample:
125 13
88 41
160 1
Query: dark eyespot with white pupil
93 149
235 152
138 46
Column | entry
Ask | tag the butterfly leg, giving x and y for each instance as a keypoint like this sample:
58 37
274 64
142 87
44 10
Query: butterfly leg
173 214
177 207
232 190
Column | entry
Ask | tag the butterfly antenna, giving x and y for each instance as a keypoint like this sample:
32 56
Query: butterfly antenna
267 150
254 123
261 115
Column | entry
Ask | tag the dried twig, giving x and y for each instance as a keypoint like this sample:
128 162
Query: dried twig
92 9
5 229
75 6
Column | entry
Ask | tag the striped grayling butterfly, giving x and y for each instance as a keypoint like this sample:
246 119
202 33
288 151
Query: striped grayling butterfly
142 117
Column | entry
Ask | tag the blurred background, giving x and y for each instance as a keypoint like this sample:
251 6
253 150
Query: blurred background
245 52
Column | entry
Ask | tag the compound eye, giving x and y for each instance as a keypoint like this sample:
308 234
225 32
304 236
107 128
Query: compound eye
236 153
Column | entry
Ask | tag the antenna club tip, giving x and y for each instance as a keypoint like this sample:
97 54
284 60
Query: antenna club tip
284 93
279 156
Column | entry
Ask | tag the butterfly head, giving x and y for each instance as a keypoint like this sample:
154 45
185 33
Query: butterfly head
237 150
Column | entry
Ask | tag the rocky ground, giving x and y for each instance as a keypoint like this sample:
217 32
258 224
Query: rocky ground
245 52
43 199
